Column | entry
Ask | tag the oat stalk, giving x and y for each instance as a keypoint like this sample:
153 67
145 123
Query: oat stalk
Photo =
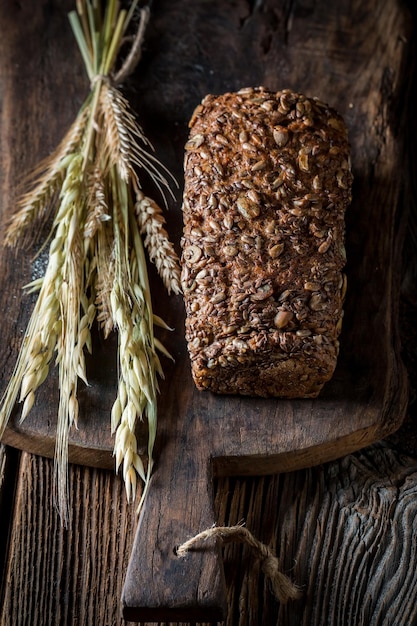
96 270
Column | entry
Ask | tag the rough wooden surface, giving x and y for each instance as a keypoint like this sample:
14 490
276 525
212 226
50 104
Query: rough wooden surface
369 379
344 534
343 530
58 577
215 427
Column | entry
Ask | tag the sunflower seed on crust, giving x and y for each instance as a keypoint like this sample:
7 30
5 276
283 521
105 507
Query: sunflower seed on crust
263 242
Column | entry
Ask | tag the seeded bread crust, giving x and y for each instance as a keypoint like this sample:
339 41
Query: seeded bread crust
267 183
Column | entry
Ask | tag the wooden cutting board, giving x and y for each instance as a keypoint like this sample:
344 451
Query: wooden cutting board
353 57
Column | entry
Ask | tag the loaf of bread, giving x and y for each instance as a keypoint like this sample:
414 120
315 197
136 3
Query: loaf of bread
267 183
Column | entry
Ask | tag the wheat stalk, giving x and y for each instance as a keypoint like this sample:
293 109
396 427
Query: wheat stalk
96 265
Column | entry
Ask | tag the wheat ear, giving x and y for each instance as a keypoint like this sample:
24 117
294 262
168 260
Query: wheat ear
160 249
36 203
126 144
96 267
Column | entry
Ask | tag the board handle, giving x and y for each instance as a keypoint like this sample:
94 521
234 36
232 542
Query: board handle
159 585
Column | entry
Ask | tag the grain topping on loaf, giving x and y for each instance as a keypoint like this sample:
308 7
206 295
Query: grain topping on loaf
267 183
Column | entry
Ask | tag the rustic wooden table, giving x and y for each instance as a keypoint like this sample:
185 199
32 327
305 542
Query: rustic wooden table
344 530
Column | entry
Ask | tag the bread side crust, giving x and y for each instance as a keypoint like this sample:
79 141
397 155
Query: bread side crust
267 184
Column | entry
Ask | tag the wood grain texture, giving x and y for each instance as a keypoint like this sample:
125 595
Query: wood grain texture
367 394
257 39
311 516
8 473
344 531
54 576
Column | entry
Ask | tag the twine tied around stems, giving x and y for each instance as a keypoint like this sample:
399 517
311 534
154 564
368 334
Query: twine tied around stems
284 589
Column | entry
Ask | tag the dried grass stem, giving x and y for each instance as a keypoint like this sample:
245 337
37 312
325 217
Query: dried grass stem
96 267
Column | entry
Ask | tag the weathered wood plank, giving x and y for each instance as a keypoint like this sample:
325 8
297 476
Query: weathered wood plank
311 516
54 576
369 378
322 48
345 531
8 474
